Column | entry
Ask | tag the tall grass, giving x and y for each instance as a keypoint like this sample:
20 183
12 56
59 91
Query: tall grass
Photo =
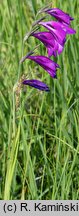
39 143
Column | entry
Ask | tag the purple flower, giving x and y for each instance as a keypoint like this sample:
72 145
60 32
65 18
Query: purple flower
56 29
36 84
49 41
64 26
60 15
59 30
49 65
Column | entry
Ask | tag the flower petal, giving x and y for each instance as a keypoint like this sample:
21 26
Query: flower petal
67 29
49 65
51 51
60 49
49 41
36 84
64 26
60 15
45 37
56 29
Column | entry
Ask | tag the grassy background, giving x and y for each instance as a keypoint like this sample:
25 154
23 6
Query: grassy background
39 143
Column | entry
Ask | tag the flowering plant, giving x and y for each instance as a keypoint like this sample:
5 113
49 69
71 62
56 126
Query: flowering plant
53 39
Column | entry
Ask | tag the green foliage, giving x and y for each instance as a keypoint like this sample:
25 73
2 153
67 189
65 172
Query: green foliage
39 142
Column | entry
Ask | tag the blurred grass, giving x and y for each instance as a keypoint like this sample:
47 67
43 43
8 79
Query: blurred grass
39 144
